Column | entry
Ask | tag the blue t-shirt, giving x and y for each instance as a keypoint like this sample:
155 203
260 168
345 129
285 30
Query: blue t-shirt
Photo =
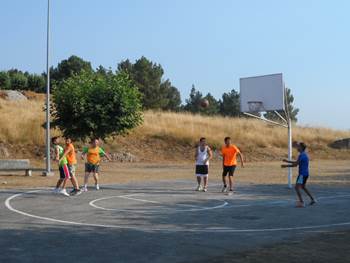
303 164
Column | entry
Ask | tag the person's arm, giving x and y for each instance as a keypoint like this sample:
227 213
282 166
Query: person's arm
57 154
240 155
103 153
196 154
290 163
66 152
83 154
210 155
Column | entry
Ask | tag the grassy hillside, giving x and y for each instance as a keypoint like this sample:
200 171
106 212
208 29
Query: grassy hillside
21 129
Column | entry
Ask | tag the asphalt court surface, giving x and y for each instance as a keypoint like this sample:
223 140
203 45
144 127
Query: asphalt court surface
170 217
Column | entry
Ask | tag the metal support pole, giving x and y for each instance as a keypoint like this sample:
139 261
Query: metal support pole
48 157
290 152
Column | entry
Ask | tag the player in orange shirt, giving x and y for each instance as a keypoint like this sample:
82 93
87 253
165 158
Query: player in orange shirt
69 153
229 154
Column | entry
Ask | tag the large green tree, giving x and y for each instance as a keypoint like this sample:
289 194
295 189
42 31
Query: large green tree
68 67
92 105
293 111
147 76
230 104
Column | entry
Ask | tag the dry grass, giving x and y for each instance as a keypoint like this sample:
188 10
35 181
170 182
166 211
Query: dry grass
21 124
245 132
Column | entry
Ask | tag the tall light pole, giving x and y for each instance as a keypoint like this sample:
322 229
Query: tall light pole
48 157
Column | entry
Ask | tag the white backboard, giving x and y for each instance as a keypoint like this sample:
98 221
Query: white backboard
267 90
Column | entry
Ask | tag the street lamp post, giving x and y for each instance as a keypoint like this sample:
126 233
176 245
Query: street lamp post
48 172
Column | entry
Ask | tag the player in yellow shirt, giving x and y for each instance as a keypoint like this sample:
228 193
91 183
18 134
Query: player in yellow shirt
229 154
93 156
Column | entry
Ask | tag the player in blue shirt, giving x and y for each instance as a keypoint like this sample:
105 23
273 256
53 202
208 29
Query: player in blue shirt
303 163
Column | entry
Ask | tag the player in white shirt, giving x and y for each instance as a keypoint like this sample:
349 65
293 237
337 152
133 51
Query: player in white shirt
202 156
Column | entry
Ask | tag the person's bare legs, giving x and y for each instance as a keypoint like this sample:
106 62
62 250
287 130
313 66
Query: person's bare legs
297 189
308 193
74 182
224 180
86 179
59 182
96 179
199 180
205 181
230 178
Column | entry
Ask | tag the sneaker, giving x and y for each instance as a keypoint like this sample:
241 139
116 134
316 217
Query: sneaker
205 189
84 188
224 189
75 192
64 192
97 187
199 188
230 192
56 190
300 204
313 202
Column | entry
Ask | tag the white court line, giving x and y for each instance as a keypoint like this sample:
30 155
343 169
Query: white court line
199 208
204 230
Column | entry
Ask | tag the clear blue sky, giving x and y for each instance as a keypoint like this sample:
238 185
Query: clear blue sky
207 43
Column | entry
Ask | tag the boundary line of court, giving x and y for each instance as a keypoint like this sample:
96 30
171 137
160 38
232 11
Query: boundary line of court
208 230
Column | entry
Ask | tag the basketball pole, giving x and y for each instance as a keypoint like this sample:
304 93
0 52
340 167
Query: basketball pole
47 171
290 136
290 152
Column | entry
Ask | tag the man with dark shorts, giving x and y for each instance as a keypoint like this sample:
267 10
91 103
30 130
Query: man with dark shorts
229 154
93 157
303 175
202 156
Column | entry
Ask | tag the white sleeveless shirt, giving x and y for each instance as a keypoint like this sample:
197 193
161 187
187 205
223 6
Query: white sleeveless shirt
202 156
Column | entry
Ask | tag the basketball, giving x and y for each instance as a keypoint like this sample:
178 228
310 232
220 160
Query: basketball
204 103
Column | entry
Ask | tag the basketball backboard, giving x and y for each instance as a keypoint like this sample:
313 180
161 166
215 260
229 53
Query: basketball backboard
262 93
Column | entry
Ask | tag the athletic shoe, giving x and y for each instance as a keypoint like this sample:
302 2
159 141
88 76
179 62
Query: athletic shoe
224 189
205 189
64 192
300 204
313 202
75 192
56 190
199 188
84 189
97 187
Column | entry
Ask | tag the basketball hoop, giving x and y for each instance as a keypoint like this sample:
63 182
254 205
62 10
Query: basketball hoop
255 106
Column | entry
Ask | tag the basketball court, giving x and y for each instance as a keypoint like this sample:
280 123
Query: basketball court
160 219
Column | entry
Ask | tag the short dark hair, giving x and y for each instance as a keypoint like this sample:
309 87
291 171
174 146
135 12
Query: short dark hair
93 139
53 139
202 139
227 138
302 145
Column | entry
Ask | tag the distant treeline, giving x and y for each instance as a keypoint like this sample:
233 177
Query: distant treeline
158 93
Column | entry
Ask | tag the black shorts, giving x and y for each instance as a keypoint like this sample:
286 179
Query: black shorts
301 180
64 172
92 168
230 170
202 170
